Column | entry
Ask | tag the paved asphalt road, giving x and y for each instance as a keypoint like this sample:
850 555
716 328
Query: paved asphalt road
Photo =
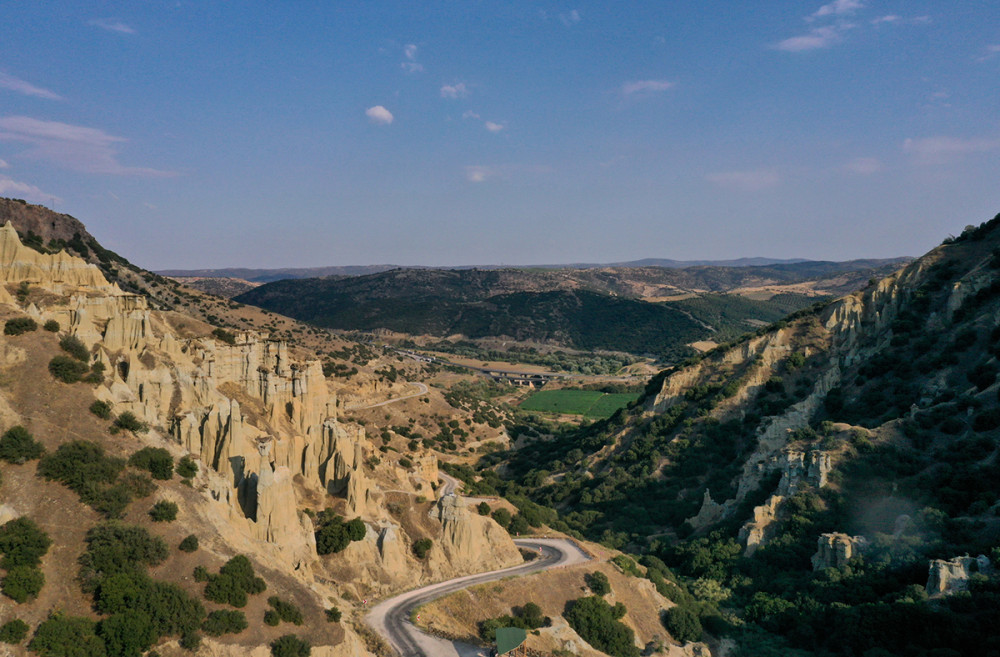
391 618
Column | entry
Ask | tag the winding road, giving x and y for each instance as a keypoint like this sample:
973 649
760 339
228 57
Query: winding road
391 618
421 390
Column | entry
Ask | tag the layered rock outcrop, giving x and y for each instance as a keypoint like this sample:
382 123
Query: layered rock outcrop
836 549
945 577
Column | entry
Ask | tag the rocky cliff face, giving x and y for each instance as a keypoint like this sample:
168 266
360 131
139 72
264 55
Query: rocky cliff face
264 425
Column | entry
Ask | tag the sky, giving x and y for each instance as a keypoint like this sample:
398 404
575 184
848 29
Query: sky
298 134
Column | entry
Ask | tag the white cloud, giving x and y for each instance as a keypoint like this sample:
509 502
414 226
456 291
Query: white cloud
838 8
412 67
26 88
640 86
891 18
410 51
820 37
989 52
111 25
940 149
379 115
864 166
493 127
4 165
469 114
478 174
570 18
746 181
16 189
73 147
454 90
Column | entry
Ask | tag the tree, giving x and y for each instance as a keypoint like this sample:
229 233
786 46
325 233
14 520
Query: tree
52 326
14 631
156 460
502 516
22 543
73 346
101 409
17 445
22 583
683 623
290 645
187 467
189 544
422 547
66 369
67 636
598 583
163 511
19 325
127 634
595 621
484 509
225 621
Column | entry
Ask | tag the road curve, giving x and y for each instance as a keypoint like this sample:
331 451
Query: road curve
391 618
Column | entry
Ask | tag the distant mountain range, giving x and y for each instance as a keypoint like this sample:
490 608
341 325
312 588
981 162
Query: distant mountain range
269 275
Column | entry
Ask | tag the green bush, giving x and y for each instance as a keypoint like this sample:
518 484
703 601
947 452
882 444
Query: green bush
14 631
683 623
286 610
189 544
598 583
17 445
187 467
272 618
334 534
127 421
222 335
225 621
66 369
502 516
67 636
164 511
22 543
234 582
101 409
290 645
421 547
333 615
19 325
201 574
113 547
52 326
528 617
128 633
73 346
596 622
156 460
484 509
22 583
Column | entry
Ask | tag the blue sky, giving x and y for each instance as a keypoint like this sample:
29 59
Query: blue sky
209 134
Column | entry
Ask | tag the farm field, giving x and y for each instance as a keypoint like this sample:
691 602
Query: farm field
589 403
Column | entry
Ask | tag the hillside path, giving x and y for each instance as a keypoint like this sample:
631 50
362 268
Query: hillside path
421 390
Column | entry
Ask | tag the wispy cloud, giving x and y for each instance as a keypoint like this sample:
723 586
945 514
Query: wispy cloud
819 37
493 127
411 65
23 87
458 90
4 165
891 18
989 52
746 181
17 189
837 8
112 25
469 114
570 18
73 147
478 174
379 115
864 166
941 149
646 86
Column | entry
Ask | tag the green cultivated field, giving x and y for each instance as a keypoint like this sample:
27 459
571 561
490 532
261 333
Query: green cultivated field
589 403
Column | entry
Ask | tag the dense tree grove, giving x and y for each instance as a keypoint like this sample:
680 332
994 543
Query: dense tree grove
598 623
333 534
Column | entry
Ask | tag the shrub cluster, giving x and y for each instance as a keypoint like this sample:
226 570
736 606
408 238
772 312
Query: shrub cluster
83 466
164 511
598 624
235 581
421 547
156 460
101 409
290 645
13 631
17 445
598 583
528 617
187 467
282 610
19 325
127 421
225 621
23 544
189 544
334 534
